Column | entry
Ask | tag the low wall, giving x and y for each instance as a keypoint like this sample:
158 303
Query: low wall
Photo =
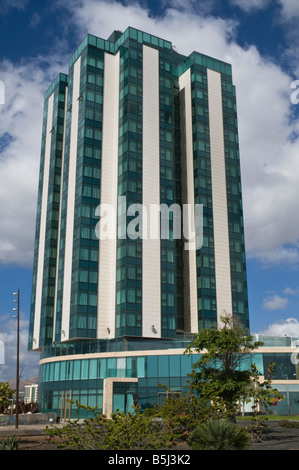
28 418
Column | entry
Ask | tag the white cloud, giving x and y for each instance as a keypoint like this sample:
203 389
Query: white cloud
21 123
275 303
35 20
252 5
28 360
287 327
17 4
290 291
289 9
204 7
186 29
286 17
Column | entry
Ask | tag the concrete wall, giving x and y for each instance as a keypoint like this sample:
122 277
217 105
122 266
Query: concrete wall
26 419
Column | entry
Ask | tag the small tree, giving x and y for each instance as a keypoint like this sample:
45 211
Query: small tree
6 394
181 413
264 397
217 377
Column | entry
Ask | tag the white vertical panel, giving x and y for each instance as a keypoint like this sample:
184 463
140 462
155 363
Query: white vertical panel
190 277
68 256
59 217
219 197
109 178
43 221
151 256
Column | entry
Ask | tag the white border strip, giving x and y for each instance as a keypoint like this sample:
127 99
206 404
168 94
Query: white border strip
59 218
109 179
68 256
190 276
151 249
43 221
219 198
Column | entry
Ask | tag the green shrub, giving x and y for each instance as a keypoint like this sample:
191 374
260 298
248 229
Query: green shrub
219 434
131 431
10 444
182 413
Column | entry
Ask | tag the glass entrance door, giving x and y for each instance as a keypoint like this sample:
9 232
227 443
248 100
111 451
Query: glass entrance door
124 396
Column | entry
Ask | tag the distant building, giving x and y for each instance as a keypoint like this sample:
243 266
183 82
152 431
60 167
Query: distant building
31 393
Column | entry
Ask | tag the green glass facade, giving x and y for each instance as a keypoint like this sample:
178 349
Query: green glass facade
84 378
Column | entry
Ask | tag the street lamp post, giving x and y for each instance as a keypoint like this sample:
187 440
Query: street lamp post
18 355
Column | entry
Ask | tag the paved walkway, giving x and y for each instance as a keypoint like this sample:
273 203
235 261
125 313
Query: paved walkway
26 429
277 437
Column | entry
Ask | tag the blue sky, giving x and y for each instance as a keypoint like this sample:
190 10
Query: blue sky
259 38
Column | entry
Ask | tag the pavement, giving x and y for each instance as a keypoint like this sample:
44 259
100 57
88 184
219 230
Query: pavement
23 430
278 438
32 436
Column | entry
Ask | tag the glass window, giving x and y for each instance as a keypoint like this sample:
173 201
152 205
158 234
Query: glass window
94 255
83 276
131 367
171 323
51 372
131 272
85 211
93 369
140 366
163 366
111 367
69 370
174 366
62 370
76 370
121 367
84 368
56 371
186 365
170 277
152 370
82 298
131 295
93 299
85 232
93 277
294 403
84 253
170 299
91 322
103 368
131 250
118 402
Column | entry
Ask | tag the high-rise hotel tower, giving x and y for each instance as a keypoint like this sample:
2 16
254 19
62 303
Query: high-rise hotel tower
134 126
